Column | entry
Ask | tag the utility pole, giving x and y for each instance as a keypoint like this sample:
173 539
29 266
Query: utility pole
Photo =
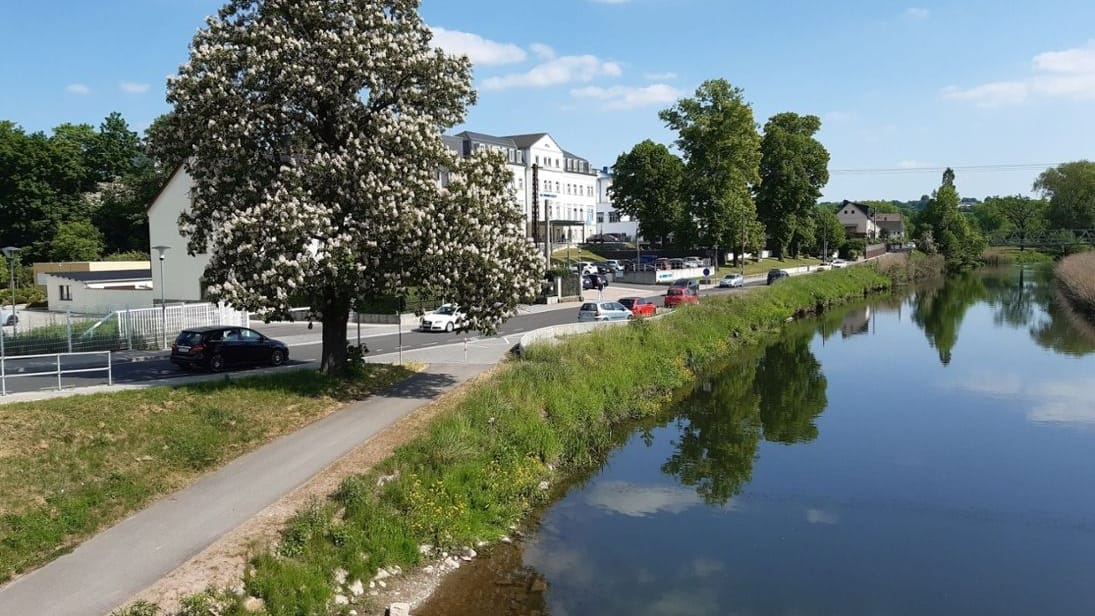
536 204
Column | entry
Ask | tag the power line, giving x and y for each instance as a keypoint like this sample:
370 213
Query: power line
971 169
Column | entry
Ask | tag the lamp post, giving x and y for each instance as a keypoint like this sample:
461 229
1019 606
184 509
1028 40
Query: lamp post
9 252
163 301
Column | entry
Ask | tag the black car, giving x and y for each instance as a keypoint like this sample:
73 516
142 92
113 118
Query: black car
594 281
220 346
776 274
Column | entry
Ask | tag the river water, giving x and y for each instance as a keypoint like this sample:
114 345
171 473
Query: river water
926 454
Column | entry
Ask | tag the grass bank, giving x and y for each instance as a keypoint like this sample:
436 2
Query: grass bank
72 466
482 466
1012 256
1076 278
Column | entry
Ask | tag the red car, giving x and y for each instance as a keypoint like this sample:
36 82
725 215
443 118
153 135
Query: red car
675 296
639 306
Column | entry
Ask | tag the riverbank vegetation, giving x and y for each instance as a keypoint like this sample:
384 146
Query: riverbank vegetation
73 466
1076 278
480 468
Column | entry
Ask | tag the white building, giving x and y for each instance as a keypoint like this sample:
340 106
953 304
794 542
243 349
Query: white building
566 193
98 292
609 219
182 273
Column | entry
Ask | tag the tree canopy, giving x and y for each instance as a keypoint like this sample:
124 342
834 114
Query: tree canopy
943 226
1070 190
312 131
794 167
718 138
648 183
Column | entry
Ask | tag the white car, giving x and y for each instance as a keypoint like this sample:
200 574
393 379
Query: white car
730 281
839 263
447 318
8 317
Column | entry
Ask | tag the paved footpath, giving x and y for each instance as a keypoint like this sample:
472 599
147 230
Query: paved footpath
111 567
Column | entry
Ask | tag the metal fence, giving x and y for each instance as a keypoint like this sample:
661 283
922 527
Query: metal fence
137 329
51 365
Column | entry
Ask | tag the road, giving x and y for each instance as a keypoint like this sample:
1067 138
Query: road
305 346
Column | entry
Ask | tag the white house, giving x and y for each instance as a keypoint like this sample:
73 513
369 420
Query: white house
181 275
98 292
609 219
860 220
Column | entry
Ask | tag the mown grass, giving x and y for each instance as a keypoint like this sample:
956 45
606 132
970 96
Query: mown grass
1076 278
72 466
479 467
1011 255
762 266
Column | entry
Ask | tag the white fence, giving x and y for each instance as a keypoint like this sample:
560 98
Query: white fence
141 329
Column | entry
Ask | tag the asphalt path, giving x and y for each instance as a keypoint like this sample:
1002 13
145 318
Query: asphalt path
304 347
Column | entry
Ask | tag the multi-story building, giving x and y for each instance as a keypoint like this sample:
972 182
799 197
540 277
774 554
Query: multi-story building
609 219
564 197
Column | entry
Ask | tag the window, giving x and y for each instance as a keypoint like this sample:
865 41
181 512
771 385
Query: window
537 159
613 216
66 292
600 217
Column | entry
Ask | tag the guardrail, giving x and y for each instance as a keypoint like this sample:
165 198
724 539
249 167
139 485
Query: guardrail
4 375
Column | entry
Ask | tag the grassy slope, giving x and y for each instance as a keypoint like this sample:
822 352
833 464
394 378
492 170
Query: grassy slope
75 465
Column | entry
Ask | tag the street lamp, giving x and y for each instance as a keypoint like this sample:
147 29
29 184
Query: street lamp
163 301
9 252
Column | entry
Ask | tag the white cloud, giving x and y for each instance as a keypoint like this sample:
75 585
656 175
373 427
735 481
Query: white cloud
1069 73
666 76
480 50
130 87
77 88
818 516
542 51
917 14
556 71
637 501
627 97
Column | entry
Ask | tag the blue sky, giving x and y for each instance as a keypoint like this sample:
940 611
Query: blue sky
899 86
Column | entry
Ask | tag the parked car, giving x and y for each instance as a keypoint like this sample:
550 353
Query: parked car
8 318
686 283
693 262
217 347
776 274
614 265
447 318
838 263
639 306
675 296
730 281
603 311
593 281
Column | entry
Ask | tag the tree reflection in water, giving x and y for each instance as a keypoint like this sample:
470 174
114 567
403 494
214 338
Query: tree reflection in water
776 392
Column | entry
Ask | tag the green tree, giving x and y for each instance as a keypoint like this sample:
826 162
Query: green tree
1070 190
76 240
115 150
648 184
1016 213
829 234
313 134
794 167
718 138
950 231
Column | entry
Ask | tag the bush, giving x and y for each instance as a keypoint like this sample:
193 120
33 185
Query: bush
1076 278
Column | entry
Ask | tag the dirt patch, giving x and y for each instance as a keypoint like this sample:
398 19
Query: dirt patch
222 564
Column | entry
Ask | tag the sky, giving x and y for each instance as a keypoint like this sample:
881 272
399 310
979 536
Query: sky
999 91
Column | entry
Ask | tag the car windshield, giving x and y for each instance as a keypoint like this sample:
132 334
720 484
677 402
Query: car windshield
446 309
628 301
673 291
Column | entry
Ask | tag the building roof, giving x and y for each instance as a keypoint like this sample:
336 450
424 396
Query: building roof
136 275
526 141
866 209
485 138
888 217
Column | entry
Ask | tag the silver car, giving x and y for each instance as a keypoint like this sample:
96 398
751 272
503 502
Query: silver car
604 311
730 281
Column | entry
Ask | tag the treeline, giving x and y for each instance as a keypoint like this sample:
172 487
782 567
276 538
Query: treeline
78 193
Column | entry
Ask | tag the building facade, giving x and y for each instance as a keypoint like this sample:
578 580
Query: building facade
563 198
178 273
609 219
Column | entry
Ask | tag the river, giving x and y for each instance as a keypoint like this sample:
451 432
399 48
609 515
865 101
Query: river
931 453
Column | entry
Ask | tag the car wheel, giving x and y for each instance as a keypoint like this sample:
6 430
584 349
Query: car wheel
449 327
216 363
277 358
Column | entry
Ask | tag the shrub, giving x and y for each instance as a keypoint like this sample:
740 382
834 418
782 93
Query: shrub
1076 278
140 608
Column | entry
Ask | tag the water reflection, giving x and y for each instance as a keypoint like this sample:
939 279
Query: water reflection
939 310
776 393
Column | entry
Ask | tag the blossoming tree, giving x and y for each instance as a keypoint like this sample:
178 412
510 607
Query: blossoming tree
312 130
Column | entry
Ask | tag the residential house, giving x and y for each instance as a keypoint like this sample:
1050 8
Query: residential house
861 221
179 273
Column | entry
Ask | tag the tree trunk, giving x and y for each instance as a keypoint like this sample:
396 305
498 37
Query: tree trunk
333 356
